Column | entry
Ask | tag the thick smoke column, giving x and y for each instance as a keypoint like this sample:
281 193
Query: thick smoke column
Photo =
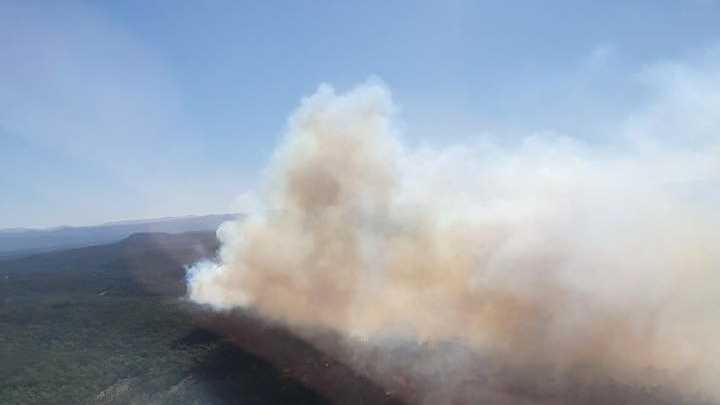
550 253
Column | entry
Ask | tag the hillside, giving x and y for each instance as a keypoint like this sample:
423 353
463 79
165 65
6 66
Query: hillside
108 325
20 242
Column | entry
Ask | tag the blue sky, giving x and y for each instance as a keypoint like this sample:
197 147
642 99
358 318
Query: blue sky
119 110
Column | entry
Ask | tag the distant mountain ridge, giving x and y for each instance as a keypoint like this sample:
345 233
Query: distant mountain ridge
18 242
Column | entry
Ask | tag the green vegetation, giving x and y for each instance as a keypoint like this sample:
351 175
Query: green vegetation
108 325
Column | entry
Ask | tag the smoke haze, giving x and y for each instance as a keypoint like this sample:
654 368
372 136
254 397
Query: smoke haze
550 254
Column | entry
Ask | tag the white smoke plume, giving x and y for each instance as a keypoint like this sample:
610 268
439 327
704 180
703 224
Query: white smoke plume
552 253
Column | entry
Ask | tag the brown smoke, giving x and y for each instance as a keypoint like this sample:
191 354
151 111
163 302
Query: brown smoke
548 255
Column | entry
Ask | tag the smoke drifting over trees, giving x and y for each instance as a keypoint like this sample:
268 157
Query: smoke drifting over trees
551 255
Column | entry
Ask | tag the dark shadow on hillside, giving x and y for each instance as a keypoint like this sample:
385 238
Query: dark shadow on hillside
230 375
296 359
196 337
